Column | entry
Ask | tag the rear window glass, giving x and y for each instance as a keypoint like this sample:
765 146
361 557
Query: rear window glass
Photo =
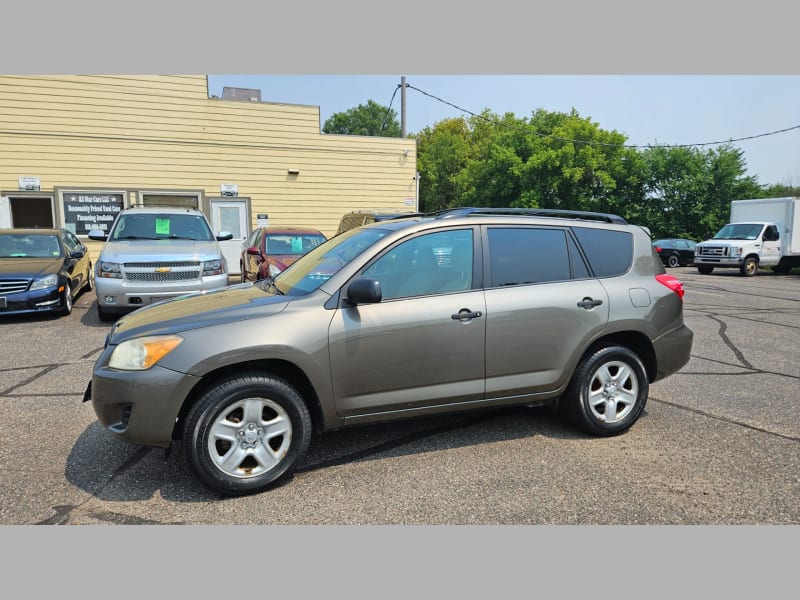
610 253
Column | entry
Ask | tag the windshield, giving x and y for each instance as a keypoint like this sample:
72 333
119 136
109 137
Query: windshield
739 231
16 245
324 261
154 226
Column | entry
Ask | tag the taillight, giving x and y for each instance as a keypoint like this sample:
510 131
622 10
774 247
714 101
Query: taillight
672 283
658 249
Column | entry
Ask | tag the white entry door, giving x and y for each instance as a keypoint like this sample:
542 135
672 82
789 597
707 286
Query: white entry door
232 216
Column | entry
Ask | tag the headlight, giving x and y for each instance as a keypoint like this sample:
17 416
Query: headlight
734 252
142 353
213 267
45 282
109 269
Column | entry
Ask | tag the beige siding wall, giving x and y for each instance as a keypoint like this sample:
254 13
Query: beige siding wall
163 132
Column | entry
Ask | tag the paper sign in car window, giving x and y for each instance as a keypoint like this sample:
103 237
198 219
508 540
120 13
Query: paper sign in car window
162 226
297 245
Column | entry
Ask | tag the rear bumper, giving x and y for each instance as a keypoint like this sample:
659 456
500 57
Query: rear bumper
673 350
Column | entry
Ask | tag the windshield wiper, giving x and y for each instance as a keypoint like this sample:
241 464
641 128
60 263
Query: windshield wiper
267 283
135 237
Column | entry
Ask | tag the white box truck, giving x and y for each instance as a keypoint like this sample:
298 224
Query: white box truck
762 232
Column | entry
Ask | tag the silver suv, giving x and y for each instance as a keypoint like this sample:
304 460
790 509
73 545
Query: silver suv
155 253
464 310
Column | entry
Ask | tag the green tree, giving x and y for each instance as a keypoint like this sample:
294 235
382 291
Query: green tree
443 151
689 191
365 119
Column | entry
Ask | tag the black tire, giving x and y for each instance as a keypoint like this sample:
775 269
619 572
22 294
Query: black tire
272 426
705 270
104 315
673 261
602 379
66 300
749 267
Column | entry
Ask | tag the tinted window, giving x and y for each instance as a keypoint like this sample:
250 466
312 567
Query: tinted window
579 268
435 263
609 252
527 255
771 234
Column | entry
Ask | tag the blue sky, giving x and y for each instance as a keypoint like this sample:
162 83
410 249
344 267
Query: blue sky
648 109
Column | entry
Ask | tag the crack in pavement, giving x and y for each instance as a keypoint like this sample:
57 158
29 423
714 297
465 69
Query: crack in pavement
726 420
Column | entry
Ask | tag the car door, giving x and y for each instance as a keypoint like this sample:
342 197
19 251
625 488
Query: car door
423 344
770 246
541 305
250 262
76 267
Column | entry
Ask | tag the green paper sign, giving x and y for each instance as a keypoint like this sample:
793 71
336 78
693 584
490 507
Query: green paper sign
162 226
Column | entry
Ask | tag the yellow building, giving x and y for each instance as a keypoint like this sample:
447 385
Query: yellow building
113 141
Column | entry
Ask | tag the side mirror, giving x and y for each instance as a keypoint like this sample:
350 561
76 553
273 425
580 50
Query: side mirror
76 254
364 291
253 250
224 236
98 235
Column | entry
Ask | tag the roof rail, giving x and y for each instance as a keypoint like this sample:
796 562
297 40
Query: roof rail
528 212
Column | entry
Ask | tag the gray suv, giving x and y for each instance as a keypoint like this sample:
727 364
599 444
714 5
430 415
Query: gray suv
155 253
464 310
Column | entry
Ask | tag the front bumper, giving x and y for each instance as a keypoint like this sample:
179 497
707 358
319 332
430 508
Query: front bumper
718 261
39 301
121 294
140 407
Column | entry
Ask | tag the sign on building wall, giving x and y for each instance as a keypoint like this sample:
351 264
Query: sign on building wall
84 211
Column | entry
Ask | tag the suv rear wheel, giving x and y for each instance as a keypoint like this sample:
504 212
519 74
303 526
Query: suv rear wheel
608 391
246 433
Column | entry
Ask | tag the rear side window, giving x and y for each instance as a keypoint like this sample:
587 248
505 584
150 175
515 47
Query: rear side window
610 253
527 255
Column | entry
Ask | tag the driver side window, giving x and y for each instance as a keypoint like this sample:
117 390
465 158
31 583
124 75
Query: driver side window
435 263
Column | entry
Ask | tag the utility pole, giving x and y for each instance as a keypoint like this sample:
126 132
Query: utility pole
402 107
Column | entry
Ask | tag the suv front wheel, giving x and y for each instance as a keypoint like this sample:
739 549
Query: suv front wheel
246 433
608 391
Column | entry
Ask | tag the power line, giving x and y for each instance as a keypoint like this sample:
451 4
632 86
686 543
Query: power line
389 108
590 143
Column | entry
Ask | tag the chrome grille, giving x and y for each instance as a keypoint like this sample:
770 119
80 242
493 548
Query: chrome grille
10 286
156 265
712 251
162 277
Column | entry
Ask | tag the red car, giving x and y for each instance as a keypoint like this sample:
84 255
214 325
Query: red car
269 250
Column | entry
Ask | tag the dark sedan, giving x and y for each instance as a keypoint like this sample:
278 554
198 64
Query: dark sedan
42 270
675 252
269 250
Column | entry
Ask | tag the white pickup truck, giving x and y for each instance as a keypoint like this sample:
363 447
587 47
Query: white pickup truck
760 234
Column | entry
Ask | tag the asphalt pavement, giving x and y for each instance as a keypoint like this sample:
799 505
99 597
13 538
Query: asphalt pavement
719 442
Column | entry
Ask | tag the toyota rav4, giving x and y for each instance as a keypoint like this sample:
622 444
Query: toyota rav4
463 310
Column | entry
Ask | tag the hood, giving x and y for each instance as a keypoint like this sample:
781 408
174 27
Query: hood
29 267
284 260
166 250
233 303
